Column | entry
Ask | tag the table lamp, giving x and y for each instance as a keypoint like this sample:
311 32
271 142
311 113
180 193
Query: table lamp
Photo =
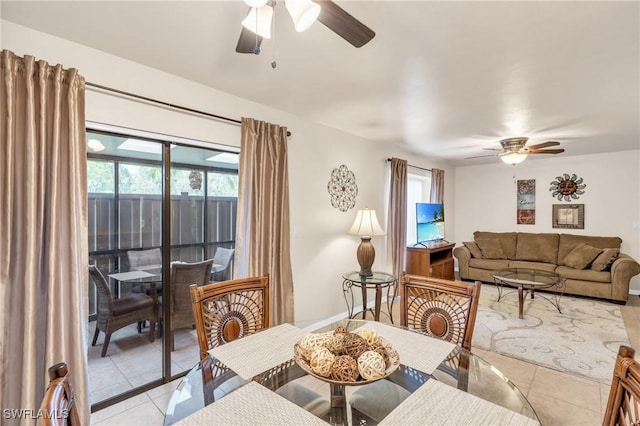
366 226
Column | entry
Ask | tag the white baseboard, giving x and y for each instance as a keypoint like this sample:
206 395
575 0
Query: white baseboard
635 292
342 315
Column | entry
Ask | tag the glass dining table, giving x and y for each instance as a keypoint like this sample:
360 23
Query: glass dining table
438 381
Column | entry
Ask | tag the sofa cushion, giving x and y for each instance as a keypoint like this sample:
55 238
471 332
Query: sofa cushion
491 248
582 256
473 248
537 247
489 264
584 274
569 241
508 240
605 259
538 266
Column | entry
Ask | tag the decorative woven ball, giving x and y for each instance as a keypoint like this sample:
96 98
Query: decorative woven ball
336 343
312 341
370 335
371 365
354 345
345 369
340 330
322 361
380 349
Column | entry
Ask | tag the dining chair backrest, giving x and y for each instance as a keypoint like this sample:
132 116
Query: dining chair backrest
222 257
442 308
227 310
182 276
623 405
105 298
139 258
58 406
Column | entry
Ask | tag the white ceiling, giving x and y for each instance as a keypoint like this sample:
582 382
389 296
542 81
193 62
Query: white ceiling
443 78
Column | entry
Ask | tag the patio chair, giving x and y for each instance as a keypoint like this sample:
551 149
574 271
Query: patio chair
223 258
142 258
623 405
229 310
182 276
59 399
441 308
114 314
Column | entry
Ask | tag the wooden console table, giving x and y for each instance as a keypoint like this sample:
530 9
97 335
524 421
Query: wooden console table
434 259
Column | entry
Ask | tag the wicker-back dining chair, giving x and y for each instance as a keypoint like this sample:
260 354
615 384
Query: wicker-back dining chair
441 308
623 405
113 314
58 406
184 275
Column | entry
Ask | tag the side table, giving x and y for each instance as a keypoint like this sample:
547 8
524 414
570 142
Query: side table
377 281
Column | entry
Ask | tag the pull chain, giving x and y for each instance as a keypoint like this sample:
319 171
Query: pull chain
273 35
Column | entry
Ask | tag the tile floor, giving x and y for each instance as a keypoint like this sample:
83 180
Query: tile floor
558 398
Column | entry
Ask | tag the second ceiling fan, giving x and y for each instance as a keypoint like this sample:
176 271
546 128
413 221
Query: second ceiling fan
257 25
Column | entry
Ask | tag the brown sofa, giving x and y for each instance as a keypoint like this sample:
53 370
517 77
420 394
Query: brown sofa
591 266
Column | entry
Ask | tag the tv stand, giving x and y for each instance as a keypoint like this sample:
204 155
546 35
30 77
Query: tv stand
431 259
431 243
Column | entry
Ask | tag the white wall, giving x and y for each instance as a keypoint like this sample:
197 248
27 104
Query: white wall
321 249
485 197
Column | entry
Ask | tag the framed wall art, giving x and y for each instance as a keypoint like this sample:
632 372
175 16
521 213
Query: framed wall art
526 202
568 216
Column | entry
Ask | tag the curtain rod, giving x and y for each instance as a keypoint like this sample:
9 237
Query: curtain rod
415 167
167 104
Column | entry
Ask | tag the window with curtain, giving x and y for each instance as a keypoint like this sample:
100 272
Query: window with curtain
418 191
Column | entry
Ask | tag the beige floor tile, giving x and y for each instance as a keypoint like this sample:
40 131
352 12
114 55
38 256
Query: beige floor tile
519 372
142 415
119 408
554 412
565 387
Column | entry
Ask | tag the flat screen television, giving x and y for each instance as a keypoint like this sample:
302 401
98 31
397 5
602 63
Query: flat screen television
429 222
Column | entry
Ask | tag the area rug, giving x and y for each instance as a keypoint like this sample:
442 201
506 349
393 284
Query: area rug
582 340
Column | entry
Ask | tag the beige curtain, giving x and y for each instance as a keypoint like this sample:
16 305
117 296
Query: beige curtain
437 186
43 232
262 237
398 214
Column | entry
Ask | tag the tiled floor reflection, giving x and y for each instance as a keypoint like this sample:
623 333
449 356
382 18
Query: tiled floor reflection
558 398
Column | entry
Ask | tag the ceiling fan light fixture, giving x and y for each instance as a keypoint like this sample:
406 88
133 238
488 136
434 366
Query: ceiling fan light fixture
303 12
259 21
513 158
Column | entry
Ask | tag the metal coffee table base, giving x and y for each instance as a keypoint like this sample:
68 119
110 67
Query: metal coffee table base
521 295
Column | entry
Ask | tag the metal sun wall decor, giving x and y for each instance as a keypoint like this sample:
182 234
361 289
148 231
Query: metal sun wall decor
567 187
526 208
342 188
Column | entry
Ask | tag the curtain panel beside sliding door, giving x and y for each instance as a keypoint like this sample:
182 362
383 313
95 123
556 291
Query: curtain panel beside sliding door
43 232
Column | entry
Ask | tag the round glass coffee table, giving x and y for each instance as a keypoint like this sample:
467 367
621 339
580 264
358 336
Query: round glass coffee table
530 280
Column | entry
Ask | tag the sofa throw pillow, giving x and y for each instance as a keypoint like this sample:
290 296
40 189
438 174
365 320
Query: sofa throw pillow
605 259
491 248
473 248
581 256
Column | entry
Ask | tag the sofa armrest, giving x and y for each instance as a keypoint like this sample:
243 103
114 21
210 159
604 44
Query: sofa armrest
622 270
463 255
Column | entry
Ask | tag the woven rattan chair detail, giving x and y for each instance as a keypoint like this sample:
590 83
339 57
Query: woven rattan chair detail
623 406
148 257
222 257
228 310
114 314
441 308
182 276
58 406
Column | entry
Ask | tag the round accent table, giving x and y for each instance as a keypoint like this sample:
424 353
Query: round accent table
377 281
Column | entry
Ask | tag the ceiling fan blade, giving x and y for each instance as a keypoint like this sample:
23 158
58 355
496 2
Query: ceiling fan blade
544 145
249 42
342 23
546 151
480 156
493 149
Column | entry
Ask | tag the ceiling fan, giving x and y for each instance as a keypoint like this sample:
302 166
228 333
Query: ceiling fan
257 25
514 150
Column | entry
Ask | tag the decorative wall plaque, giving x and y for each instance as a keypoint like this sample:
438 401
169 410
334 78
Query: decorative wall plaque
342 188
526 208
567 187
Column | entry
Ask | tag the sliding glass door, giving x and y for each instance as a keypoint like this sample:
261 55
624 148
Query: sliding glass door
151 204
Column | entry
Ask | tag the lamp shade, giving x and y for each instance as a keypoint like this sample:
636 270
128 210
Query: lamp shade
513 158
366 224
259 21
303 12
256 3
